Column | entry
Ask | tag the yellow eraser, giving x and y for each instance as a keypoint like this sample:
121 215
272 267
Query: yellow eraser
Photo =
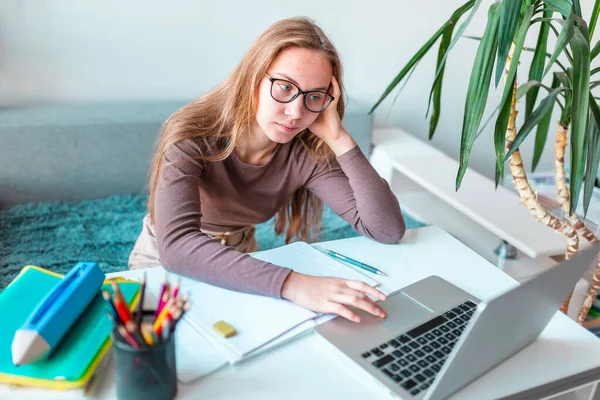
224 329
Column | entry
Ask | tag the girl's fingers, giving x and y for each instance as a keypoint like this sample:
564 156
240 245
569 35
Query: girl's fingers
359 300
363 287
343 311
336 87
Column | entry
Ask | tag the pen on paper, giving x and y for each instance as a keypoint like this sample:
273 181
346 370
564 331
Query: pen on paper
354 262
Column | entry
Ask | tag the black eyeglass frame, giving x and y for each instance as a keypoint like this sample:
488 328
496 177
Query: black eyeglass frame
298 93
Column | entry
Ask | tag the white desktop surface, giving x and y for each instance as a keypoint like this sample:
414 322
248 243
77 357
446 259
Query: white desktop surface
306 368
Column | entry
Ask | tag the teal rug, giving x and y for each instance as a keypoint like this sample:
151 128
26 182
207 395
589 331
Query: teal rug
57 235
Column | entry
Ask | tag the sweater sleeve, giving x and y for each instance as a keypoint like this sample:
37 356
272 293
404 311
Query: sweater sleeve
185 250
356 192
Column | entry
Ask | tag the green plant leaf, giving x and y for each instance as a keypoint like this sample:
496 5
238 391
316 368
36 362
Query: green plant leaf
594 18
565 116
535 117
537 64
458 35
436 88
565 78
527 86
519 42
500 133
581 80
541 133
509 19
563 38
595 51
594 71
417 57
419 54
595 110
593 152
479 85
530 49
583 28
562 6
577 8
521 91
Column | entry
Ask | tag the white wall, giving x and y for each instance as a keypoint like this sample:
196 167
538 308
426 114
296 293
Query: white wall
76 50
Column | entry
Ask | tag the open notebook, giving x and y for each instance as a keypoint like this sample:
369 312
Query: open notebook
261 322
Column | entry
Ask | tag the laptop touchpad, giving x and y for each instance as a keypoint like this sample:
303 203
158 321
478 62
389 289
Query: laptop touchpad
403 312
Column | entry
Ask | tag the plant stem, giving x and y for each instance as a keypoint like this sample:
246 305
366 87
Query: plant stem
561 185
528 197
576 222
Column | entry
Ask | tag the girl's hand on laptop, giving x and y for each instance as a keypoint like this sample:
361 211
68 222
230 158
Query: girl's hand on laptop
332 295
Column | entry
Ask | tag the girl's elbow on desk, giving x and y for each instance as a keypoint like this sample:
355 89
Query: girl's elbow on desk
391 235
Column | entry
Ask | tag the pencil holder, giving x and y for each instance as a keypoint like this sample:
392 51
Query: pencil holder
147 372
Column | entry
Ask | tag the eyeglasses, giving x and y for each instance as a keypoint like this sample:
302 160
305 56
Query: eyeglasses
285 92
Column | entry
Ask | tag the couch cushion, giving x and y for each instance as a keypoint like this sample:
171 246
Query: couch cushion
73 152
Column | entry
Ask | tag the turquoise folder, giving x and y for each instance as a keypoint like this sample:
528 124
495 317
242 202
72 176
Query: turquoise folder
73 362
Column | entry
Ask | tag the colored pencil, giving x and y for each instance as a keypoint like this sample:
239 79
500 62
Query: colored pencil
128 338
166 329
123 311
140 308
111 306
176 287
163 289
147 334
163 314
134 330
117 295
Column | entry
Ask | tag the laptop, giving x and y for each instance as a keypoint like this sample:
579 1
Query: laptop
437 338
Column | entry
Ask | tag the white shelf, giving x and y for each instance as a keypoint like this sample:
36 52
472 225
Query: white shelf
498 211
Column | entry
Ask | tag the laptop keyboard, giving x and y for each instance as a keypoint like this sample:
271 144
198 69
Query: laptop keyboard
413 359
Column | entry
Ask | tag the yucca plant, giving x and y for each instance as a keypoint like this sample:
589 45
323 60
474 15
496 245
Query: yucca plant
498 54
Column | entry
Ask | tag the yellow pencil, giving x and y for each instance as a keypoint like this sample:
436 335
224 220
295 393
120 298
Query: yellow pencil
147 334
163 314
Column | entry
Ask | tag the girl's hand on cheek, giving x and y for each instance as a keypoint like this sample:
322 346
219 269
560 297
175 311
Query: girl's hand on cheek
328 125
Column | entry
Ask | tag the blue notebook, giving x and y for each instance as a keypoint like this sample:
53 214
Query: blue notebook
72 363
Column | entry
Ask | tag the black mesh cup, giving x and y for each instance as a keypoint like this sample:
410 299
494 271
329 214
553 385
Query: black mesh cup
147 373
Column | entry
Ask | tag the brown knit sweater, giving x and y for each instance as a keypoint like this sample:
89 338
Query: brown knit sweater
228 195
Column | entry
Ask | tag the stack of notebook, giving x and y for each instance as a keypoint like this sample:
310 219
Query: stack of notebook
76 364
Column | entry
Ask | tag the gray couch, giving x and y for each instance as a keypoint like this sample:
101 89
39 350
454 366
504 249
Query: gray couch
73 152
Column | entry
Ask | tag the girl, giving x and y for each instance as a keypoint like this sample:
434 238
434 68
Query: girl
268 140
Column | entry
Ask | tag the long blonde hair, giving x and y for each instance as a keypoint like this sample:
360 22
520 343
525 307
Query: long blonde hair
220 117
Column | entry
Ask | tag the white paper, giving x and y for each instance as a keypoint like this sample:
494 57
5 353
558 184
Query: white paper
305 259
261 320
257 319
194 355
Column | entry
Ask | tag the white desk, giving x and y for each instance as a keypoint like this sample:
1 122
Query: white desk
564 357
